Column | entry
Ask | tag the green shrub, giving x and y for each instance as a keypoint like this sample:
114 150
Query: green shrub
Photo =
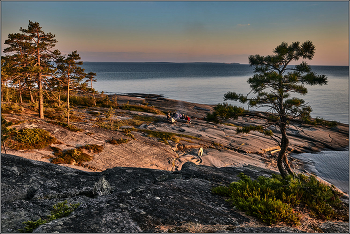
60 210
225 111
34 138
319 121
10 108
81 100
92 148
272 199
70 156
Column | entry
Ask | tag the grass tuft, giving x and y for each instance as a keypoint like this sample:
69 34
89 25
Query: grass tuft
60 210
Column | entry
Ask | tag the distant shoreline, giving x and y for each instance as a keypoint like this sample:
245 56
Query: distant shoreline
201 63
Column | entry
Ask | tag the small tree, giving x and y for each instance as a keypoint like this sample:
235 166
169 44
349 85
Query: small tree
273 86
90 78
70 73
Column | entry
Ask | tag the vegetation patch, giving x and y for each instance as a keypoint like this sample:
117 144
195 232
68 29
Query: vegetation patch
70 127
142 108
26 138
320 121
225 111
11 108
54 114
166 136
92 148
60 210
274 200
71 156
118 141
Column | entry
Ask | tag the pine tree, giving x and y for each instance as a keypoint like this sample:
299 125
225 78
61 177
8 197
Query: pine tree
40 52
70 73
273 83
90 78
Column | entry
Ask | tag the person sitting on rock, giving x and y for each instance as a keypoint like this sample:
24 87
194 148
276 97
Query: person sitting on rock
168 116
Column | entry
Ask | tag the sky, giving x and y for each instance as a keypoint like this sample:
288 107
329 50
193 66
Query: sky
225 32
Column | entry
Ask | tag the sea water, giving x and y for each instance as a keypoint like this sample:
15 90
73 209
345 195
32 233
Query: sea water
332 166
206 83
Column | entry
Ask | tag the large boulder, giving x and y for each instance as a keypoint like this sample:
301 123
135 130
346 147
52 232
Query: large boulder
123 199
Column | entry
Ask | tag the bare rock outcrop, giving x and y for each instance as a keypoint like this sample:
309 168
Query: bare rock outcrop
125 199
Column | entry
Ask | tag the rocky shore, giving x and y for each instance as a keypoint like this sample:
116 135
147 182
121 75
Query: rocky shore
149 184
125 199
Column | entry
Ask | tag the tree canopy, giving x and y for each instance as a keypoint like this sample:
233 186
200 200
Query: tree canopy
273 85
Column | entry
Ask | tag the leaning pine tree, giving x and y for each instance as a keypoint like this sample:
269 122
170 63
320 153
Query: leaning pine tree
273 83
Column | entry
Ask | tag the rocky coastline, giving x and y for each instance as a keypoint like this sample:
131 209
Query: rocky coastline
150 185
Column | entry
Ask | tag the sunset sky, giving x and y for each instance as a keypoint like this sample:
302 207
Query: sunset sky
185 31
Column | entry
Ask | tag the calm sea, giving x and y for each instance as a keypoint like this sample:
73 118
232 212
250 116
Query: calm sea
207 83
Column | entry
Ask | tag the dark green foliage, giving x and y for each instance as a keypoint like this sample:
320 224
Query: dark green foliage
273 83
272 199
225 111
60 210
35 138
320 121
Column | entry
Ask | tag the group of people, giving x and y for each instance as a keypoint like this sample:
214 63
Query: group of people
178 116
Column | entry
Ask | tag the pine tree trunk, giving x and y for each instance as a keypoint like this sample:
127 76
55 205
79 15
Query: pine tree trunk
7 94
59 98
20 95
68 102
93 94
31 96
41 98
2 93
282 161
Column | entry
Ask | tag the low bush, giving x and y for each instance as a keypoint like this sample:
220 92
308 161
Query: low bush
70 156
320 121
60 210
223 112
92 148
34 138
11 108
274 200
